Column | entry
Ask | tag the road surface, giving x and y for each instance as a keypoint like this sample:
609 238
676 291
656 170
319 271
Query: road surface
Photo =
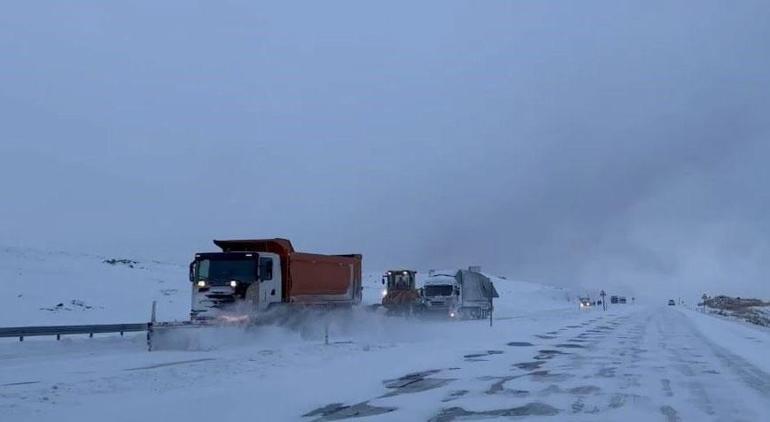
630 363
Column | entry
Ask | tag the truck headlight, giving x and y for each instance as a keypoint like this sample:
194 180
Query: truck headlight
233 284
201 283
384 292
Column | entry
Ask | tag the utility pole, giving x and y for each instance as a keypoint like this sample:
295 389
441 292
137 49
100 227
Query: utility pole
603 294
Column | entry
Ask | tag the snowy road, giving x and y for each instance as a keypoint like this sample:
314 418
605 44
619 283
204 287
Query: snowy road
634 363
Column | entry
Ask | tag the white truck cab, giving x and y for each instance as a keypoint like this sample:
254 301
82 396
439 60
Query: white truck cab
440 292
233 285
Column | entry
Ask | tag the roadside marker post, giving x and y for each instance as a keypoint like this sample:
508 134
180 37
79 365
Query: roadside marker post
603 294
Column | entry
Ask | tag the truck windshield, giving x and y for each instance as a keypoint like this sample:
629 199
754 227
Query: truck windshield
438 290
227 269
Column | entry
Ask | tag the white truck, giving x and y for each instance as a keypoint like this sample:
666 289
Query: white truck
464 294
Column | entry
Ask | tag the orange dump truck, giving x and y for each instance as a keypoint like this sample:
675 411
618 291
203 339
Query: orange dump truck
250 276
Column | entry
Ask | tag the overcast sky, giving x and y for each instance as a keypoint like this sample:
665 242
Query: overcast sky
591 143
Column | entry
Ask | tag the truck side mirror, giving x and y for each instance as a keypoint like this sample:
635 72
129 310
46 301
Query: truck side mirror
192 276
383 281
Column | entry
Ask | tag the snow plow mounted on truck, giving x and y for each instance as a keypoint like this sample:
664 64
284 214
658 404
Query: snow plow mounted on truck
250 276
261 281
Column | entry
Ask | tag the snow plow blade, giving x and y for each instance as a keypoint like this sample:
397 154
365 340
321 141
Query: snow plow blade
194 335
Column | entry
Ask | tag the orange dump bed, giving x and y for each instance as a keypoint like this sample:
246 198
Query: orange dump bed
308 278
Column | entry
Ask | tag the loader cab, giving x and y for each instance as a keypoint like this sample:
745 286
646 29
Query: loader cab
399 280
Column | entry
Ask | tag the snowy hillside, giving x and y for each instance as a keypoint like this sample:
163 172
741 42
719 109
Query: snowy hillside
50 288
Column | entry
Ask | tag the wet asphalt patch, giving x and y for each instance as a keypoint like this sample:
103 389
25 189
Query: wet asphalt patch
546 354
454 395
519 344
415 382
545 337
476 357
529 366
547 376
584 390
339 411
529 409
570 346
499 387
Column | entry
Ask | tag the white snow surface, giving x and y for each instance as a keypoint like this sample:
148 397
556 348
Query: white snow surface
542 356
89 290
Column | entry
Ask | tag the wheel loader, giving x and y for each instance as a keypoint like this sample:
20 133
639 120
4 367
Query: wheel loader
400 295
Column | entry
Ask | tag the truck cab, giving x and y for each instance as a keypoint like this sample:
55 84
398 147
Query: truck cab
441 292
232 285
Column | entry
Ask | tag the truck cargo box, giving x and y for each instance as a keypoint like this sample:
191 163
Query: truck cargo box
308 278
320 279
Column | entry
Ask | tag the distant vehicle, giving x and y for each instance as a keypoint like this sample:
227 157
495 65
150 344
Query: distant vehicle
671 302
585 302
614 299
622 299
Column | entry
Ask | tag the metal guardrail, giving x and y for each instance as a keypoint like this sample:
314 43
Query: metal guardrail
60 330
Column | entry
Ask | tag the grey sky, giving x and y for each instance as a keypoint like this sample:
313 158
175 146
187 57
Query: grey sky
585 143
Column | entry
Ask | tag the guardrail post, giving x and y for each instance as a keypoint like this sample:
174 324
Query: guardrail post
150 326
21 338
58 337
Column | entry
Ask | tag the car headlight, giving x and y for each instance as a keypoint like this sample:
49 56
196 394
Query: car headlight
201 283
233 284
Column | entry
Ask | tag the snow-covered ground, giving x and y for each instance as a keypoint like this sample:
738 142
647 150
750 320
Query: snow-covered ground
52 287
541 358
